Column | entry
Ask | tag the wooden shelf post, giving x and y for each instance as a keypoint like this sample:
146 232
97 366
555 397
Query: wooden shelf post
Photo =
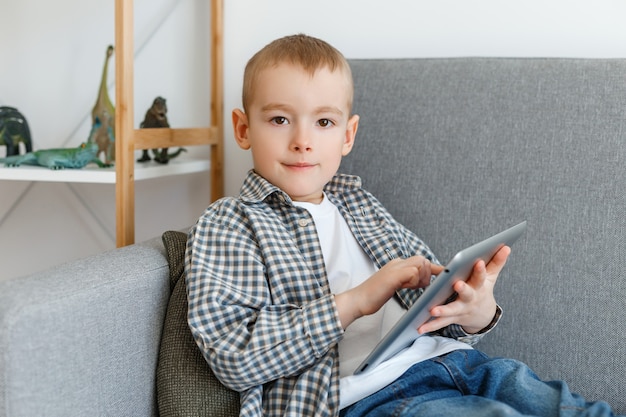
128 139
124 119
217 98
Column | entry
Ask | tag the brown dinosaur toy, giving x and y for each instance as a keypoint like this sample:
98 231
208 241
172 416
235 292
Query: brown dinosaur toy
103 117
156 116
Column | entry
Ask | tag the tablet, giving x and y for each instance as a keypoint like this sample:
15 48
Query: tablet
404 332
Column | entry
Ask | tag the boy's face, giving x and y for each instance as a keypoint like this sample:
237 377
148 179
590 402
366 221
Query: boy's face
298 128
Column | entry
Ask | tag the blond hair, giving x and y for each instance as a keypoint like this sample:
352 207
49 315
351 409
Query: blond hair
305 51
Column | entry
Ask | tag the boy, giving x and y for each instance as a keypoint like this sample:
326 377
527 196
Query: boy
291 284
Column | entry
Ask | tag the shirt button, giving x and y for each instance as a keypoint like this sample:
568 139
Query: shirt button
303 222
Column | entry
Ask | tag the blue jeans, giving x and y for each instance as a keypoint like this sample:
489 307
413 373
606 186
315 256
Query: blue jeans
468 383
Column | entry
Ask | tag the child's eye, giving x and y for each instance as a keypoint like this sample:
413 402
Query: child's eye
325 123
280 120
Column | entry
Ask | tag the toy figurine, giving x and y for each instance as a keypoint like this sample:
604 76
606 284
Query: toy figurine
156 116
13 130
58 158
103 117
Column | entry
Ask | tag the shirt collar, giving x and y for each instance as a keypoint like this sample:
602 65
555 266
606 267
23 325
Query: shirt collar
255 188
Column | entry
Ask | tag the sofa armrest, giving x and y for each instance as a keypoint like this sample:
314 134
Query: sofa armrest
83 338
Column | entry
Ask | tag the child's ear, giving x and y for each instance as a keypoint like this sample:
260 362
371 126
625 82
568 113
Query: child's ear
240 126
353 126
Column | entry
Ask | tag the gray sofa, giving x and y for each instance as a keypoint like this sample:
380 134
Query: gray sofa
457 149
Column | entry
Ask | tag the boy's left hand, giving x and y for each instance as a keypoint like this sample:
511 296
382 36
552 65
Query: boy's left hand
475 305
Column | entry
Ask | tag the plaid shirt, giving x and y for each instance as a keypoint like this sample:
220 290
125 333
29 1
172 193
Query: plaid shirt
260 306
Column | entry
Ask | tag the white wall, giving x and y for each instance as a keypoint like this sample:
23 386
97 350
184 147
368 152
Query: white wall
51 54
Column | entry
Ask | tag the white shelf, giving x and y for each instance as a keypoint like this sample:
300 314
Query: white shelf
94 174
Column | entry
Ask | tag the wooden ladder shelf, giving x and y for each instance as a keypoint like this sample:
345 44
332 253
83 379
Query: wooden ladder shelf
128 139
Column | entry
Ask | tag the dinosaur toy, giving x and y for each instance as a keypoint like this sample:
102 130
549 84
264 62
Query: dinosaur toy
100 134
58 158
156 116
13 130
103 117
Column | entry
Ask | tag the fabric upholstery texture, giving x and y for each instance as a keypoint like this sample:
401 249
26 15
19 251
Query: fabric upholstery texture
82 338
461 148
185 384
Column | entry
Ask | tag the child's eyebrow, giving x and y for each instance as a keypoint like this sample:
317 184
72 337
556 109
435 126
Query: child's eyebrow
275 106
284 107
329 109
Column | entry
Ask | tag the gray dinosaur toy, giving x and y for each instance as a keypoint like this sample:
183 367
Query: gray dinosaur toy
58 158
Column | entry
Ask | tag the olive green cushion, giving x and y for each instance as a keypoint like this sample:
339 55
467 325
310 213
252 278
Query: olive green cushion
186 385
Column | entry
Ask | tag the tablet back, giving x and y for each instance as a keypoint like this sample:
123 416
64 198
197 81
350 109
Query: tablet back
404 332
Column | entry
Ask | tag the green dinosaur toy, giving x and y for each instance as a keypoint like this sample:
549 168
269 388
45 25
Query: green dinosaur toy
58 158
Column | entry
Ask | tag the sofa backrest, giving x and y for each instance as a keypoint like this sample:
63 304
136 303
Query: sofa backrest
461 148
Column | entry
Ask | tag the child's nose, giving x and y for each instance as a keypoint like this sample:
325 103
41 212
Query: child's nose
301 141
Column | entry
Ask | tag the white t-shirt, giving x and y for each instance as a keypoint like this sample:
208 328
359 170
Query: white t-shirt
347 266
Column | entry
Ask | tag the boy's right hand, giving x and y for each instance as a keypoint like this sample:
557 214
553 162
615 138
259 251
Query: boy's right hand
371 295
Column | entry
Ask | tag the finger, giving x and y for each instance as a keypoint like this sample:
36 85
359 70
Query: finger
427 272
421 272
409 272
466 290
475 281
434 324
436 269
452 310
499 260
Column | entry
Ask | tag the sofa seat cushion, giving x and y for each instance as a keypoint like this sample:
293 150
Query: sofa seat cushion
186 386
